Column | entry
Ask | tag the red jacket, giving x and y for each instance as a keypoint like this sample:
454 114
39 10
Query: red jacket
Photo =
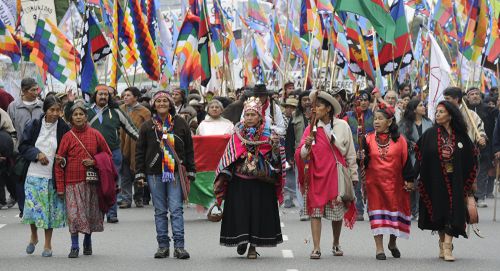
107 177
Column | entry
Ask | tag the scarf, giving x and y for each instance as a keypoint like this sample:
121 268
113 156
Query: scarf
164 131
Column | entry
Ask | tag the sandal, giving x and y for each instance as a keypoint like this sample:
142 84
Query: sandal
252 253
337 251
315 255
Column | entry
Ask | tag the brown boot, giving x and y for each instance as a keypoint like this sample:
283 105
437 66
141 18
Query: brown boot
441 252
447 249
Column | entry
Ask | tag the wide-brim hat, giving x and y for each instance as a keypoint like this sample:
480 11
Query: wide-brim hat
260 89
291 102
329 98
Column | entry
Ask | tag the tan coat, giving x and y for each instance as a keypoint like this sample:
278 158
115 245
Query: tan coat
139 114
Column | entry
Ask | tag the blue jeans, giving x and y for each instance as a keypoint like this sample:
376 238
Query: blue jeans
290 184
167 197
117 160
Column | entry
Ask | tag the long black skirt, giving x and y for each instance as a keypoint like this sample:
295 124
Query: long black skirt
251 214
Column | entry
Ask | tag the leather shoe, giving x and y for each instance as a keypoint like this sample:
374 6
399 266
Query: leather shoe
242 249
87 250
381 256
73 253
112 220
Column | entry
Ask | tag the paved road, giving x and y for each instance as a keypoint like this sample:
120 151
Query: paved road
130 245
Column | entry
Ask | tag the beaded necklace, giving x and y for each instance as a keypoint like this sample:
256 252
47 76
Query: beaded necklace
383 141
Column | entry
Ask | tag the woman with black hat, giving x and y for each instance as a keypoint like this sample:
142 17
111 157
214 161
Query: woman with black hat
333 145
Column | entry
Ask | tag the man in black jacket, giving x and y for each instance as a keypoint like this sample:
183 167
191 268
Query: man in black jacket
486 114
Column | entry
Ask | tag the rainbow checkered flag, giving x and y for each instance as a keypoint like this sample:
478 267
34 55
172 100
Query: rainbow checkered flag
147 49
53 52
8 45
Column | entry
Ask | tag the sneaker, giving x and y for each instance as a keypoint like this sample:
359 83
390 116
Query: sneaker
162 252
11 202
125 205
490 196
112 220
288 203
360 217
138 204
481 203
181 253
304 217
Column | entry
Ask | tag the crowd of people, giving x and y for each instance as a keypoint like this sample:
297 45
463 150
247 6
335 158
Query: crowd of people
333 153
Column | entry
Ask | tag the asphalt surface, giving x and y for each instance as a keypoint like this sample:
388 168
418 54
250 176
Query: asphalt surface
130 245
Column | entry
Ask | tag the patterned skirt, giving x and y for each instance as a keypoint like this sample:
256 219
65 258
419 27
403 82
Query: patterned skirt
42 206
331 211
82 205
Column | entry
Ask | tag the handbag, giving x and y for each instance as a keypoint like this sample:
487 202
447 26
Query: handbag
472 214
215 216
345 186
183 176
91 174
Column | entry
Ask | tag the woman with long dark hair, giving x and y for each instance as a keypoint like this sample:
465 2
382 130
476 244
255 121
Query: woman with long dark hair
389 178
447 163
413 124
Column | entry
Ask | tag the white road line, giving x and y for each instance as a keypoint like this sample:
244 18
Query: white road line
2 225
287 253
292 270
285 237
282 224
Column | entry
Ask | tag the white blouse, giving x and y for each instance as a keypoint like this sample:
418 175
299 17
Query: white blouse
46 143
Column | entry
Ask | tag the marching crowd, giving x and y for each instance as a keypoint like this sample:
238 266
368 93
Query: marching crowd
336 155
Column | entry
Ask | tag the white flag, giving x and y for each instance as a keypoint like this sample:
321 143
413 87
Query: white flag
439 79
71 23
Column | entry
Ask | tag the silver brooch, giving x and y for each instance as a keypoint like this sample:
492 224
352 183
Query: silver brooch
460 145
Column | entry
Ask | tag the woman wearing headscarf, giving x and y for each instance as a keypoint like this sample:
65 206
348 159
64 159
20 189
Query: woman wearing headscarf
412 126
214 123
77 153
249 180
155 164
389 179
39 144
447 163
333 144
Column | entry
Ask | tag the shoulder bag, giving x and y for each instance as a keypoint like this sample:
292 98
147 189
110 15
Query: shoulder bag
185 183
345 186
91 174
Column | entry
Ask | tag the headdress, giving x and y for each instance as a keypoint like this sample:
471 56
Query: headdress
254 104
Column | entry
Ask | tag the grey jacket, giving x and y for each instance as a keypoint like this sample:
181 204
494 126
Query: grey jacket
20 114
413 137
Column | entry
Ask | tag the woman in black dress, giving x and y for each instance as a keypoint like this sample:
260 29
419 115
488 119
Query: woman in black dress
249 180
447 163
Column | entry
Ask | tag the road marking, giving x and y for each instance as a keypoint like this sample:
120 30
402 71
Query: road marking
282 224
285 237
287 253
292 270
2 225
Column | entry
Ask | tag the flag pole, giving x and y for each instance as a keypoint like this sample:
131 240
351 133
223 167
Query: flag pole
308 62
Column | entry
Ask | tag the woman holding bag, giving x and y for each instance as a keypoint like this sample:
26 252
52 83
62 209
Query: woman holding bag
76 152
331 149
447 164
249 180
158 164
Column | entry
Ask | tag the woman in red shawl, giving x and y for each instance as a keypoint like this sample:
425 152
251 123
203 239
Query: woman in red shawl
332 143
249 180
389 179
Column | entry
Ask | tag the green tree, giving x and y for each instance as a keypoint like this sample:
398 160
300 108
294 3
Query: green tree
61 7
